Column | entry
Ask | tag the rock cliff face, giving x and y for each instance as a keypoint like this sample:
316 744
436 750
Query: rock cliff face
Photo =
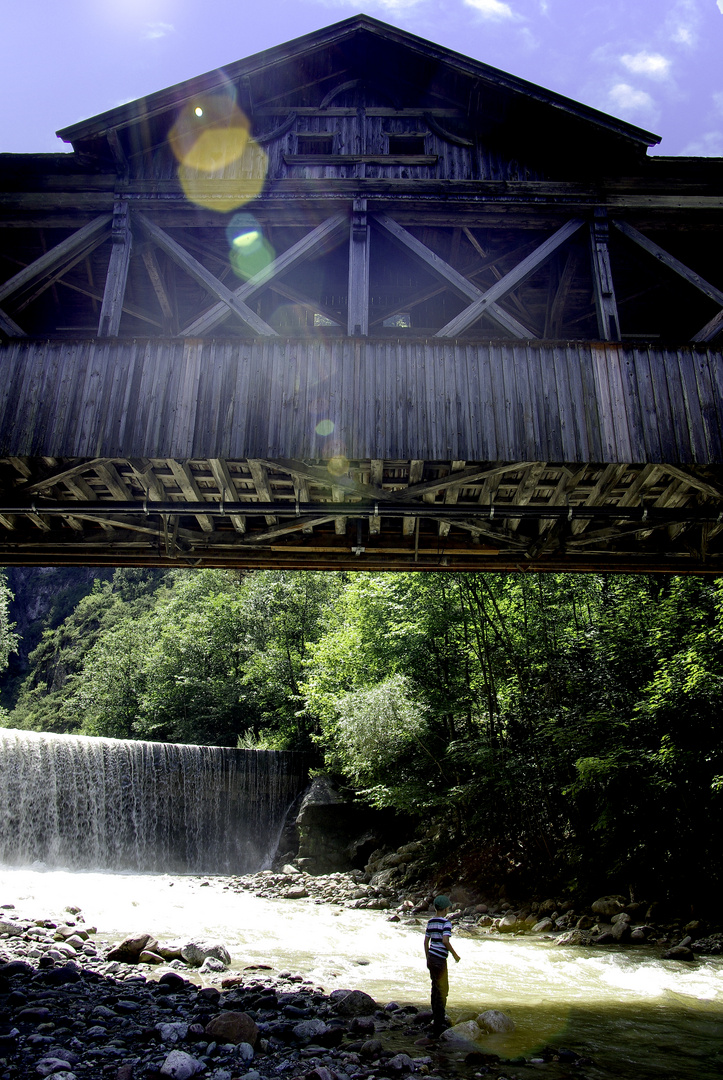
43 597
336 834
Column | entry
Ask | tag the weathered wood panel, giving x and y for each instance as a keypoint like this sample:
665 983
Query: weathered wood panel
383 399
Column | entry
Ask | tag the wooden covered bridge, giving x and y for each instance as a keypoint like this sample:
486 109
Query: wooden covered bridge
361 301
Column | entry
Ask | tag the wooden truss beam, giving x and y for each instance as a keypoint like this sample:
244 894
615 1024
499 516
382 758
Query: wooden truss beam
606 306
320 236
117 276
510 280
711 328
457 281
54 258
358 294
205 278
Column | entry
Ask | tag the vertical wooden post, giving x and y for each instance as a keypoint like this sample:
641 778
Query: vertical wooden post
115 282
358 304
602 278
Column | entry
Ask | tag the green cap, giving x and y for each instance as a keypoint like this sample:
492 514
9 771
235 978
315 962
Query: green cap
442 902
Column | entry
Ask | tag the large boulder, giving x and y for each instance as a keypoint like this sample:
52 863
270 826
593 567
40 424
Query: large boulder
195 952
355 1003
462 1034
10 928
508 924
679 952
573 937
607 906
181 1065
495 1022
233 1027
308 1030
709 946
130 949
542 926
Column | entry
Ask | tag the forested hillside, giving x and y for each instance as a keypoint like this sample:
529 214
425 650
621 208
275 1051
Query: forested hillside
563 728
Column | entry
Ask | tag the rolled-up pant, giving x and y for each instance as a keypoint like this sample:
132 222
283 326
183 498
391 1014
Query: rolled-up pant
437 968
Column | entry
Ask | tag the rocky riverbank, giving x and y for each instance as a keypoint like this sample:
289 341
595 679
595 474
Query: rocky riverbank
74 1005
609 920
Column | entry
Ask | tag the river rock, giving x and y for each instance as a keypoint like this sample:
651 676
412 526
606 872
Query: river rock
148 957
542 926
573 937
172 1032
172 979
129 950
355 1003
48 1065
400 1063
233 1027
607 906
181 1065
11 928
508 924
211 964
621 928
468 1032
679 952
372 1048
195 952
306 1030
709 946
495 1022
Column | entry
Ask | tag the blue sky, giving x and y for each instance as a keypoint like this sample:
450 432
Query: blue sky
655 63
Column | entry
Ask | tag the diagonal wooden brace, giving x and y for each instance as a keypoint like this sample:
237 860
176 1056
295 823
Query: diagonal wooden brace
462 285
299 251
204 277
511 280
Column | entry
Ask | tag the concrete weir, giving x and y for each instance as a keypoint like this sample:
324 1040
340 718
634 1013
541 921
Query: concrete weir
113 804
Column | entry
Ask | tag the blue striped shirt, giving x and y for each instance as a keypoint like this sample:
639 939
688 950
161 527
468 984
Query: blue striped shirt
437 929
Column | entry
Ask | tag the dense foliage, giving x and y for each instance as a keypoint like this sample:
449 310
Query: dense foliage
566 727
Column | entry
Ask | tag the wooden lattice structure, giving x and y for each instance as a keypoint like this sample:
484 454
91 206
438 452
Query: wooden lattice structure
361 301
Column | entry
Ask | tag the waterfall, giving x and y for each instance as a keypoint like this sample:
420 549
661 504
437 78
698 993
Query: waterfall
113 804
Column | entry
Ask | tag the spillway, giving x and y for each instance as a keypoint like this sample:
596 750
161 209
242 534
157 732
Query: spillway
111 804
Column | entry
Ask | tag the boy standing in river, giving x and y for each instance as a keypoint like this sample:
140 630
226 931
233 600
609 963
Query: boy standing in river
436 948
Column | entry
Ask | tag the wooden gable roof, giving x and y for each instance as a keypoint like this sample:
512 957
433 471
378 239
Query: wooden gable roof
403 70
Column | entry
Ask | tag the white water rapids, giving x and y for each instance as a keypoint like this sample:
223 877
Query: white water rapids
637 1016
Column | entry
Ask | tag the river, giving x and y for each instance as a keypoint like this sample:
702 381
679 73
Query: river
635 1015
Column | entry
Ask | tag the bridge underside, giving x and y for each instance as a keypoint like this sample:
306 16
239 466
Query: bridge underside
374 514
568 456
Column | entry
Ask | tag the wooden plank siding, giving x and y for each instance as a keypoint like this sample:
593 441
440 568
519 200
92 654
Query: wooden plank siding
604 403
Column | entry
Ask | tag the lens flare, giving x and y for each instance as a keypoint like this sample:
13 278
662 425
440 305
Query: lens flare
324 427
339 465
211 140
250 252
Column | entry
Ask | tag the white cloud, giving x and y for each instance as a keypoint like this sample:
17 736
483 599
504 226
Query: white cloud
627 98
655 65
492 9
683 21
720 5
155 30
708 145
390 7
